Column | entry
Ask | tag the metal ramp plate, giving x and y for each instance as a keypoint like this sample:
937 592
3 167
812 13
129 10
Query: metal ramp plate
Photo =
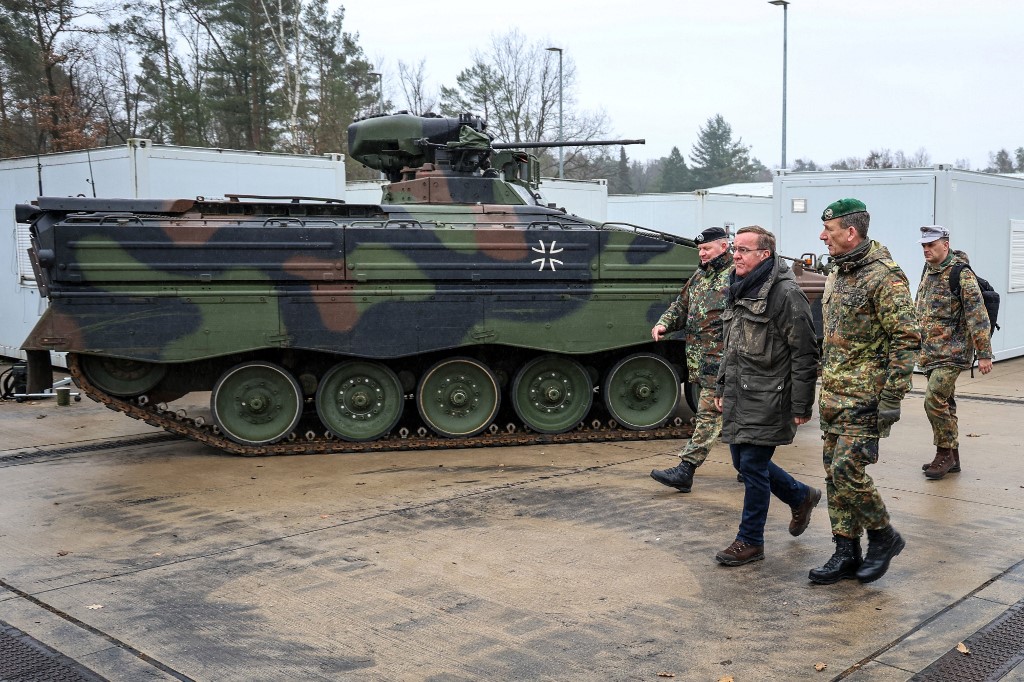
994 651
25 659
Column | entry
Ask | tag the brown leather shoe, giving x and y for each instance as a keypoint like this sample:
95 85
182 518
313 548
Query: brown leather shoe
943 464
739 553
802 512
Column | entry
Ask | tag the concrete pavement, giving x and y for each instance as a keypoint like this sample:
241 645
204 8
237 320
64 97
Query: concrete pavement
143 557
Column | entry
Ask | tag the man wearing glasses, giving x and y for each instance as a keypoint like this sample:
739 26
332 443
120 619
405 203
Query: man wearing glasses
871 343
765 386
697 311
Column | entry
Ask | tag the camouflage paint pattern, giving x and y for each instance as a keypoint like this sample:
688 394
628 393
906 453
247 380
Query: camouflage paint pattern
697 311
706 429
952 328
854 504
940 406
871 342
232 277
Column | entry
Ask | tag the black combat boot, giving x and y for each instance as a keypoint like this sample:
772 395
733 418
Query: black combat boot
883 545
679 477
843 564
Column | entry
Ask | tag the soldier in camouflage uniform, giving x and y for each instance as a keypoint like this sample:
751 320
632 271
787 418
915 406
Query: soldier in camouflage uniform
870 346
697 312
953 329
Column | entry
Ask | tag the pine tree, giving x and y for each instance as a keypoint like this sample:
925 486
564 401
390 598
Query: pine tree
1000 162
717 159
623 182
675 176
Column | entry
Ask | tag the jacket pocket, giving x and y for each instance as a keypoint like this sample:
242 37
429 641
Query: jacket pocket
857 314
760 400
751 335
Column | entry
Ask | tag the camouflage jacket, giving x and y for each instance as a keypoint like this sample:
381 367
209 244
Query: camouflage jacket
697 311
951 328
871 342
770 368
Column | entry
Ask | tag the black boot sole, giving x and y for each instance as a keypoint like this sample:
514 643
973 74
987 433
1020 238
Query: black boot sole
832 581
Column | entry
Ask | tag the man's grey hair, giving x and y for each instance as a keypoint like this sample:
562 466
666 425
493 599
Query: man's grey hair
858 221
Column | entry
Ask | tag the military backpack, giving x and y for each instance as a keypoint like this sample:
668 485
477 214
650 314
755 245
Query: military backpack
990 295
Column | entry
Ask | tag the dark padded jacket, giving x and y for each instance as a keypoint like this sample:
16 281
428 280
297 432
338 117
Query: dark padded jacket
770 365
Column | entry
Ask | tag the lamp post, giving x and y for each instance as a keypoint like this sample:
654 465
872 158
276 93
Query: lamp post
380 91
785 31
561 150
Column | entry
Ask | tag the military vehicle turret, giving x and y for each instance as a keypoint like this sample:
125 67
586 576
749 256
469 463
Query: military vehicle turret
461 310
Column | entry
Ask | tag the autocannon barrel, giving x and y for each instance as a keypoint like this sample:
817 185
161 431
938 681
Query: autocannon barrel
569 143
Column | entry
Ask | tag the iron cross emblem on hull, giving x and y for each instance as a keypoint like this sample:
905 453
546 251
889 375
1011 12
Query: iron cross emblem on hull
546 253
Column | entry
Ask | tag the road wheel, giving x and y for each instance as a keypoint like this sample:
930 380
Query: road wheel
641 391
458 397
256 403
359 401
121 377
552 394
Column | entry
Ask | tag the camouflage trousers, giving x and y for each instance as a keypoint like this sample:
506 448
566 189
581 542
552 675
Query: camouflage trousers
706 430
940 406
854 504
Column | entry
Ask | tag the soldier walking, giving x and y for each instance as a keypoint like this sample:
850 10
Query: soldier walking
953 328
871 343
765 387
697 311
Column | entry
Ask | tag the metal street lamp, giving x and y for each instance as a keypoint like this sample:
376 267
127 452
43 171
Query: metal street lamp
380 91
785 31
561 150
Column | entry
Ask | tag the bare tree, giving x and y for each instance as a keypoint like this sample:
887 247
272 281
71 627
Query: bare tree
919 159
418 98
515 85
287 35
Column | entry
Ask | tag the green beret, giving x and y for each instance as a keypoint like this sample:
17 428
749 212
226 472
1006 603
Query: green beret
837 209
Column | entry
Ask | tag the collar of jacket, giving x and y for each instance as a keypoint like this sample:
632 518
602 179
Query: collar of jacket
716 265
935 269
866 252
757 301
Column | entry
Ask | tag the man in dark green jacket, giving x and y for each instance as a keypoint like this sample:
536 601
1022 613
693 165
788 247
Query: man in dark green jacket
765 387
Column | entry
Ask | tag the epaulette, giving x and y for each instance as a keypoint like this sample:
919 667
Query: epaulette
891 264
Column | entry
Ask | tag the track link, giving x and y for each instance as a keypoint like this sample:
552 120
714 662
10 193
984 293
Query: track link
310 443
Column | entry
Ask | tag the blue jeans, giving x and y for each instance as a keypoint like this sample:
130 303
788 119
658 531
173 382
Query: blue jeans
762 479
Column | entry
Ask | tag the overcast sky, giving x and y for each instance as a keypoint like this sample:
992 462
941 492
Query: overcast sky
945 75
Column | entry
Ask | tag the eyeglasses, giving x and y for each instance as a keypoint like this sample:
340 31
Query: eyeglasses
743 250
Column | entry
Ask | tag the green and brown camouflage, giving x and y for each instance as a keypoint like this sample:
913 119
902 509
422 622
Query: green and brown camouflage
871 341
464 296
953 328
697 311
854 503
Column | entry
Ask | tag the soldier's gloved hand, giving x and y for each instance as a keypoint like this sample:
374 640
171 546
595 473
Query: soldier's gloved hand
888 411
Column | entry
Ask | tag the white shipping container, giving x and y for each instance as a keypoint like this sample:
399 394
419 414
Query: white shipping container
984 213
688 213
138 170
585 198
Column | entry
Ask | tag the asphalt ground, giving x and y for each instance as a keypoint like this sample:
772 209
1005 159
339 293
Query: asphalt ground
144 557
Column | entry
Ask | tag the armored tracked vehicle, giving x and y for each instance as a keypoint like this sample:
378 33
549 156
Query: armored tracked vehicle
461 310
